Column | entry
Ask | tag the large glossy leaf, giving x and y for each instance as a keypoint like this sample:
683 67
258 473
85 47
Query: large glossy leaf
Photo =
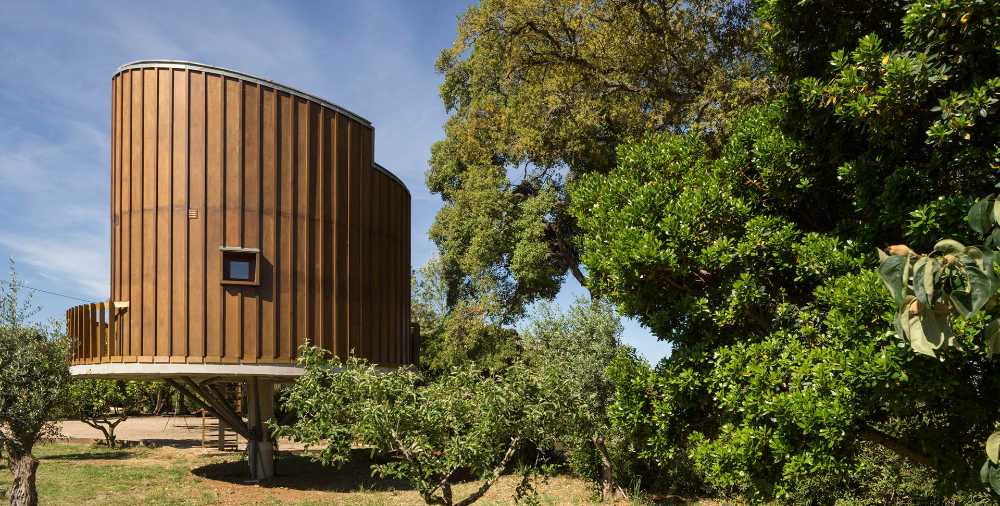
925 329
993 447
994 239
980 286
991 334
984 473
961 300
995 479
980 256
925 272
979 215
949 247
891 271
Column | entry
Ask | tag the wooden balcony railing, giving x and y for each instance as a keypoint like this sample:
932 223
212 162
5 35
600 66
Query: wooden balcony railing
94 336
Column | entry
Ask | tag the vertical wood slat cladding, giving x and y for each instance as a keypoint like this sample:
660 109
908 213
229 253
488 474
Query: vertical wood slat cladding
201 160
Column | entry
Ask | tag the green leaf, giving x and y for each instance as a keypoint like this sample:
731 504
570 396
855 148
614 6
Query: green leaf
949 247
925 272
994 239
993 447
899 323
927 330
891 271
991 334
981 285
995 479
984 473
961 300
996 212
979 215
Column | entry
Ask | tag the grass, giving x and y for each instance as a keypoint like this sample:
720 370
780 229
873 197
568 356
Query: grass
75 474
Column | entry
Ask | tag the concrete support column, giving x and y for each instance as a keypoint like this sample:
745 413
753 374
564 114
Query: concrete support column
260 449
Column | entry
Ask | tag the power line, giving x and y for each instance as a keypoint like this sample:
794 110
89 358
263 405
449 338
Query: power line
22 285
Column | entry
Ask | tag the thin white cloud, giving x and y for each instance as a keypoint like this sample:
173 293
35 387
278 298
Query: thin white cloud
74 262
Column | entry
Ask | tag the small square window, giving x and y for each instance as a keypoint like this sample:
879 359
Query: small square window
240 267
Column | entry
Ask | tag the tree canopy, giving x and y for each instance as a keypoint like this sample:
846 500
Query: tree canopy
754 258
540 92
33 379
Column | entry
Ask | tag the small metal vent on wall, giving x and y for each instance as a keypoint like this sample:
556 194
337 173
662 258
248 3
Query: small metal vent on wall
193 214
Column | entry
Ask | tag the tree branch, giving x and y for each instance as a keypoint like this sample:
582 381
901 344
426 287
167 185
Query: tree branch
896 445
494 475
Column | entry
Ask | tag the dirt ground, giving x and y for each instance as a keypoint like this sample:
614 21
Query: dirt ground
175 460
175 431
76 473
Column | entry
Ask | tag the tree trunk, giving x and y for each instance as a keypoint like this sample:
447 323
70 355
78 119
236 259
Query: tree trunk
894 444
23 491
609 489
159 402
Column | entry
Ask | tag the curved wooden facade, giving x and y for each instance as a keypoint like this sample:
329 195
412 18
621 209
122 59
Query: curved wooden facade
205 159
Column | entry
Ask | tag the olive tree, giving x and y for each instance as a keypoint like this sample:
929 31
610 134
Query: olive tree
569 353
463 421
33 379
105 404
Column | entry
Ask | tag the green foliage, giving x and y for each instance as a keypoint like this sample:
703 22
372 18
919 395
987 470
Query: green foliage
104 404
455 335
33 378
568 355
749 254
655 411
540 92
33 372
696 267
463 421
953 281
799 36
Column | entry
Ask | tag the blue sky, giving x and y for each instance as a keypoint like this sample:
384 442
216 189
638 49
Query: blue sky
375 58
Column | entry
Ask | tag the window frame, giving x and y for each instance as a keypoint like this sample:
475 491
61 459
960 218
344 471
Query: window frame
231 252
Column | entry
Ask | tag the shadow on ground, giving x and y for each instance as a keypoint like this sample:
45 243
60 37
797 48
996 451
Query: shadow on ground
106 455
298 472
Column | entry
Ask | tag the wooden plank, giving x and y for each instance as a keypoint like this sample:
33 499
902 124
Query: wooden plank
149 123
379 265
89 335
404 280
135 219
102 331
214 218
302 218
329 230
179 241
319 218
113 342
124 260
341 269
232 324
286 235
390 265
270 179
365 170
312 225
354 238
115 185
196 226
74 333
251 216
162 278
